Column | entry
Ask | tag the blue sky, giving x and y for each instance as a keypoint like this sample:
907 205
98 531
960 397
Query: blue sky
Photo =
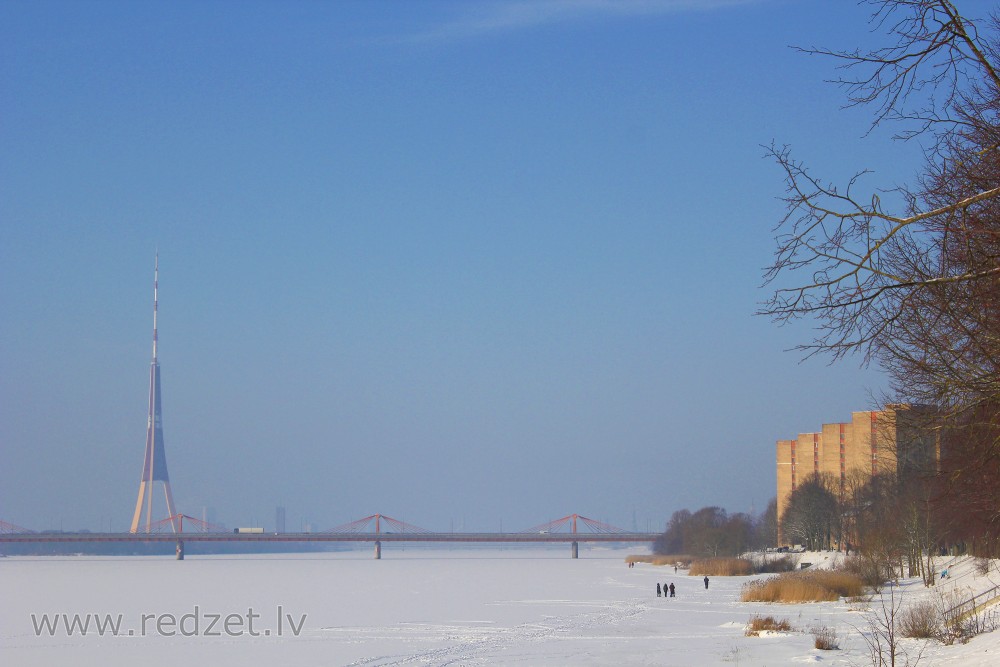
460 263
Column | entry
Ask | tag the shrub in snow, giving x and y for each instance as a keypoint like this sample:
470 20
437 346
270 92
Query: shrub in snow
759 624
825 638
920 621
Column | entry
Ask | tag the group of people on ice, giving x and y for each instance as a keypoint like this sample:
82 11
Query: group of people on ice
669 590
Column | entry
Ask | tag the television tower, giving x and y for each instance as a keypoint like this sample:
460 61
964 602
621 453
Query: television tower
154 469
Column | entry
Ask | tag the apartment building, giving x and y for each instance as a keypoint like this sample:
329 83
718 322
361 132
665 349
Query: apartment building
896 440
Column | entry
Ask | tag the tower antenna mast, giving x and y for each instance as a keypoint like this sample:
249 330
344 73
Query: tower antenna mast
154 467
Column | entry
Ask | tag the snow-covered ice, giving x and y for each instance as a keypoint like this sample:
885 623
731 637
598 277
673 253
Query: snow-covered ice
420 606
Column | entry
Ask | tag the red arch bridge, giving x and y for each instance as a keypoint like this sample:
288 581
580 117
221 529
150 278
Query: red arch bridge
376 528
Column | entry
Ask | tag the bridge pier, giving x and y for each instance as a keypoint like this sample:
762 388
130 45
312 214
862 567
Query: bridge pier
574 550
378 550
180 549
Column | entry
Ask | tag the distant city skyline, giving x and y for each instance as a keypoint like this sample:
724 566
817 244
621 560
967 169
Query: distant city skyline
478 264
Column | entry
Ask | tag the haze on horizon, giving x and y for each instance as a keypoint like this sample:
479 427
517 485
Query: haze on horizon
469 265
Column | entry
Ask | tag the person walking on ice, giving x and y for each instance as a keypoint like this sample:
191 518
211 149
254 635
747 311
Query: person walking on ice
657 589
706 583
671 590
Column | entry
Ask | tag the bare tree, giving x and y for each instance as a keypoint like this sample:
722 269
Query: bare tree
909 277
865 263
883 635
876 528
708 532
812 515
766 526
967 501
918 523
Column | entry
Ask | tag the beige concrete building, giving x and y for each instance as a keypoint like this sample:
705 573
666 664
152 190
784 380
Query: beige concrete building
895 440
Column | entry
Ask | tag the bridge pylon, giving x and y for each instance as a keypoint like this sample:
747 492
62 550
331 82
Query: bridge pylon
11 529
570 522
375 521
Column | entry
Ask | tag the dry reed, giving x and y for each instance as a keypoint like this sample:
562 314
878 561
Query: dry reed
825 638
657 559
759 624
721 567
809 586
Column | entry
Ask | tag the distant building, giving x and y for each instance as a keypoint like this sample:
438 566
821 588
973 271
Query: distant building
896 440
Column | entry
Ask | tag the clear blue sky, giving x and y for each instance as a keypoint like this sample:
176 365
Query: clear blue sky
460 263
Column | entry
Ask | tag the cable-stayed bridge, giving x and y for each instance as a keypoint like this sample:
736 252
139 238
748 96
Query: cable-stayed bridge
376 529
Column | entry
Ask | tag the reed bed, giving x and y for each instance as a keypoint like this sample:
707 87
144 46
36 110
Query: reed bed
659 559
759 624
721 567
809 586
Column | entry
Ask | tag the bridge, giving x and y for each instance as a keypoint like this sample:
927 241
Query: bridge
181 528
371 529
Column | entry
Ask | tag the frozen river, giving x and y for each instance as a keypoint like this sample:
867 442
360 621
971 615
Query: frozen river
415 606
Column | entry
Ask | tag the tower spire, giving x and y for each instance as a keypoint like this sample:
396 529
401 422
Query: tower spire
156 300
154 467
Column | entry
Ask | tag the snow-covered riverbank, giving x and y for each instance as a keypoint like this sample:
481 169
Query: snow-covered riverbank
420 606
